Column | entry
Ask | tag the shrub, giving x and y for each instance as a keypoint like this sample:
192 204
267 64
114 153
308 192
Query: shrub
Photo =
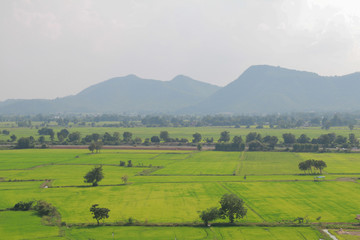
23 206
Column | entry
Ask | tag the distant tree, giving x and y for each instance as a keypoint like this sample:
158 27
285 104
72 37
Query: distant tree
98 146
94 176
41 139
99 213
289 138
92 147
164 135
209 214
13 138
155 139
25 143
74 137
340 139
271 141
303 139
209 140
199 147
5 132
127 136
224 136
232 207
256 145
125 178
237 139
137 140
253 136
196 137
129 163
351 126
63 134
353 140
122 163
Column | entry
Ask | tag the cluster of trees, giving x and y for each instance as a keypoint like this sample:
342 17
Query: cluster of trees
232 207
303 143
311 166
293 120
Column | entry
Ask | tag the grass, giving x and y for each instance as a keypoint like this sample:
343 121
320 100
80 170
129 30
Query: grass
25 225
276 201
241 233
188 182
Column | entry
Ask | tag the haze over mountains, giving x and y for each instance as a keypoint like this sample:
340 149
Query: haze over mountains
260 89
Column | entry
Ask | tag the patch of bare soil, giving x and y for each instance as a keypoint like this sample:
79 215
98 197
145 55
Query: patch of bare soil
348 232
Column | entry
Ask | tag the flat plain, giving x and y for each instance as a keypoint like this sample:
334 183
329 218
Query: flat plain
168 188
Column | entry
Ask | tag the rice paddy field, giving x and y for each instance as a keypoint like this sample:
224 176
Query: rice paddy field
167 189
177 132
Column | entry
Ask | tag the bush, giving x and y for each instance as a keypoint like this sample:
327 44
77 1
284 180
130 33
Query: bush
23 206
122 163
44 208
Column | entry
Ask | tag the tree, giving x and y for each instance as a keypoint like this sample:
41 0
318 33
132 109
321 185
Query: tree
256 146
98 146
164 135
224 136
125 178
237 139
25 143
41 139
13 138
253 136
289 138
155 139
196 137
94 176
92 147
127 137
62 134
209 214
74 137
232 207
99 213
351 126
199 147
303 139
129 163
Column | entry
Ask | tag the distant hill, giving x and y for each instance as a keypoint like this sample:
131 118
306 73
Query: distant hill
129 94
260 89
268 89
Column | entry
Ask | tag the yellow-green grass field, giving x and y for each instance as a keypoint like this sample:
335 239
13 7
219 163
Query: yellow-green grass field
185 183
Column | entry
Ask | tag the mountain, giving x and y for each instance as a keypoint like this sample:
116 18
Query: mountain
268 89
129 94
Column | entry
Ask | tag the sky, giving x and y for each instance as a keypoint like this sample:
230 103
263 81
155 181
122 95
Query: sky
51 49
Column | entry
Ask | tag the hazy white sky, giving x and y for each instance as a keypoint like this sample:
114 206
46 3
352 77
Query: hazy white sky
56 48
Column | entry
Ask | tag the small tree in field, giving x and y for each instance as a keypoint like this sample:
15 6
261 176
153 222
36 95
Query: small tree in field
232 207
92 147
99 213
209 214
94 176
125 178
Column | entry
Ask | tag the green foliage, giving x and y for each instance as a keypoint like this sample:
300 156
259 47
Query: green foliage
229 147
232 207
199 146
311 164
94 176
164 135
130 164
224 136
25 142
209 214
127 136
122 163
23 206
99 213
44 208
155 139
196 137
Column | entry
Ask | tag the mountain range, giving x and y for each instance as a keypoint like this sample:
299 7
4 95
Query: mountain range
260 89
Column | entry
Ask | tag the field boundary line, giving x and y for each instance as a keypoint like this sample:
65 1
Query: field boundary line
229 190
240 165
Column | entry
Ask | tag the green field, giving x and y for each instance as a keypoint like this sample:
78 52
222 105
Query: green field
180 184
181 132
